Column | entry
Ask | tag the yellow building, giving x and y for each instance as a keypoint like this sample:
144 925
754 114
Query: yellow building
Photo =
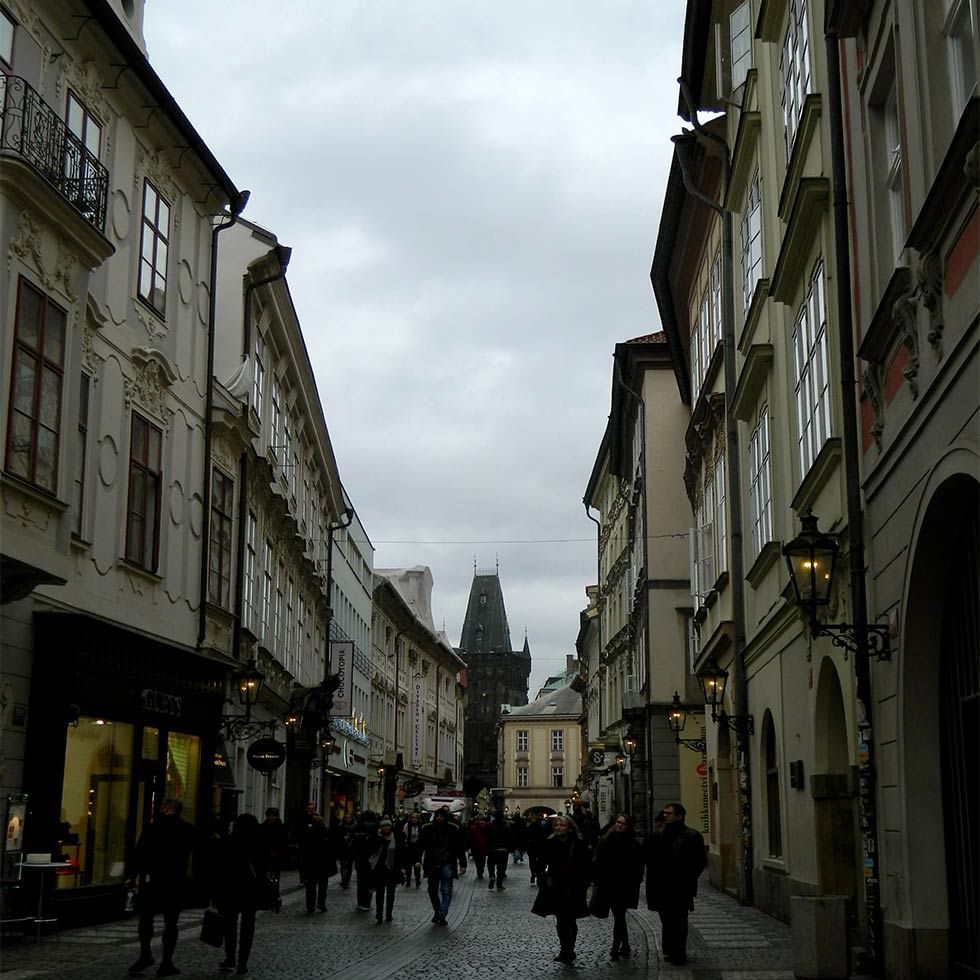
540 751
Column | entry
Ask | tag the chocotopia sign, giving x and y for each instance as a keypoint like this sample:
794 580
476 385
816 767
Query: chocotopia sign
266 755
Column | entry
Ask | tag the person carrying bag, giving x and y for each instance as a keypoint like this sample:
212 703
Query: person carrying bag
618 871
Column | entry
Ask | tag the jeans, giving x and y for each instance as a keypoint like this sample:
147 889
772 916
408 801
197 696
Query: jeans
498 866
316 891
171 913
384 897
441 888
346 870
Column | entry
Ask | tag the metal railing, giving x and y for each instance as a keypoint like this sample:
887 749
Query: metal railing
30 128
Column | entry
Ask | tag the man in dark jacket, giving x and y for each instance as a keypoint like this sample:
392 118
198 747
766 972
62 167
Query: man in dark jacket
275 846
162 855
674 859
364 839
443 848
386 862
500 842
316 858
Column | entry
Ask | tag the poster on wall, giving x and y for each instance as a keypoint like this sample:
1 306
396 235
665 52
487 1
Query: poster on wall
16 818
342 664
694 777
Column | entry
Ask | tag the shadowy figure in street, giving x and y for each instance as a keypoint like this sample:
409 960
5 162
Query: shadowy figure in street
240 888
411 836
443 857
618 871
162 856
386 861
563 885
363 844
674 859
275 846
500 842
316 859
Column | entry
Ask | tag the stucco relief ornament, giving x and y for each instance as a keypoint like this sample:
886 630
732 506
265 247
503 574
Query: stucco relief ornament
88 84
66 269
154 168
930 279
148 387
224 456
155 327
904 314
873 385
27 245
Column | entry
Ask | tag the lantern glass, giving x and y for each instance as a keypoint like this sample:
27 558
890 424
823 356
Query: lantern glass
712 680
811 557
676 715
629 743
327 743
620 759
249 682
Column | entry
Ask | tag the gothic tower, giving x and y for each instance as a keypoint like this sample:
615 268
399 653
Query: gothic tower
496 674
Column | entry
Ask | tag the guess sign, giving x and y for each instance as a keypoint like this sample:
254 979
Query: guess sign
161 702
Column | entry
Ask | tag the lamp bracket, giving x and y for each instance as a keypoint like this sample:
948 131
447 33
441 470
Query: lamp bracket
845 635
241 728
698 745
740 724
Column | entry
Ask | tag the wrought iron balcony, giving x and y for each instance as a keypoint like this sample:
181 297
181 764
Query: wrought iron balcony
30 128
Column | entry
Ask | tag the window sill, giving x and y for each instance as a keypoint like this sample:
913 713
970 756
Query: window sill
710 599
32 490
776 864
78 543
131 566
766 558
152 310
820 471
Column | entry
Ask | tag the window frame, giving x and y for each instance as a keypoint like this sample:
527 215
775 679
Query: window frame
220 546
760 482
557 777
750 236
43 367
151 474
157 236
811 370
557 739
741 61
795 71
521 776
249 592
7 58
522 739
770 760
81 453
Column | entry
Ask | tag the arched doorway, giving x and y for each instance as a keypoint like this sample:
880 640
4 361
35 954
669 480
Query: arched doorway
941 697
832 789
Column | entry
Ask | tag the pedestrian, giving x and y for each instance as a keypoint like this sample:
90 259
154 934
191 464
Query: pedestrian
363 844
387 861
275 846
162 855
476 833
674 859
586 823
342 834
239 888
618 871
443 857
537 833
500 842
564 884
519 830
316 860
411 835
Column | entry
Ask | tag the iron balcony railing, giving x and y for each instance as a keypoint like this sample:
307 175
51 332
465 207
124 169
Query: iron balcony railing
30 128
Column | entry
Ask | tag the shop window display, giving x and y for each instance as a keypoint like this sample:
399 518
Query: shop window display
95 800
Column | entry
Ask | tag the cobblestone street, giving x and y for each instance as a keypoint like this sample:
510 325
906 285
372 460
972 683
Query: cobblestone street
491 935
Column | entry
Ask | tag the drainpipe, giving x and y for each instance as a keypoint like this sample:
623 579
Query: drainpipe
236 208
282 255
734 495
855 513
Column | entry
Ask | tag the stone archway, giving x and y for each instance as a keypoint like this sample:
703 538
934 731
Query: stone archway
939 690
832 788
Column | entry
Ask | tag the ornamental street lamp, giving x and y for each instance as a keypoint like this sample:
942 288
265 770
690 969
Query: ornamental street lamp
676 720
812 560
712 678
240 727
629 743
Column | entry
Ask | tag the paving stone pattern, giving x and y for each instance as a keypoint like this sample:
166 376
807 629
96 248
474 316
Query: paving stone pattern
491 935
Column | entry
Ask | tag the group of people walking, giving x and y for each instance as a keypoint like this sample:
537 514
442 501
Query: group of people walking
578 871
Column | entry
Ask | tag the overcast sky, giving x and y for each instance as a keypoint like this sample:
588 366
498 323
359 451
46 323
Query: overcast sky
472 192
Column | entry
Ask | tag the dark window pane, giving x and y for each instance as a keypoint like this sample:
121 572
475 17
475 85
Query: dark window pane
47 457
50 406
29 316
19 450
24 380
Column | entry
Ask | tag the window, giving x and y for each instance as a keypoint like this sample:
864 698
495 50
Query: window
7 25
557 740
37 377
774 826
960 29
154 247
760 483
81 448
81 153
280 604
222 511
258 375
751 234
301 636
720 517
276 421
251 559
145 478
268 565
522 740
812 372
557 775
794 70
521 777
716 298
290 657
893 174
741 43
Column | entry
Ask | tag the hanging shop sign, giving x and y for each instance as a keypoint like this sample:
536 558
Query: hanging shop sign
161 702
342 664
266 755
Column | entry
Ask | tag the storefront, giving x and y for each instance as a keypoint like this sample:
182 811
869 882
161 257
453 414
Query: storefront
347 770
117 723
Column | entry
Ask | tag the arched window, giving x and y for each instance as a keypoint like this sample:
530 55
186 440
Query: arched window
770 757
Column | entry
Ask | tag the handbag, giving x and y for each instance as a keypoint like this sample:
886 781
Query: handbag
213 928
598 901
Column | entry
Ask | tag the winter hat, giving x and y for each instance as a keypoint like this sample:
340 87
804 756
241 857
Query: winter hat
385 823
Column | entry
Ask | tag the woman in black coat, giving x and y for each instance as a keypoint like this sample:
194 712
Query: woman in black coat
562 890
618 870
239 887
